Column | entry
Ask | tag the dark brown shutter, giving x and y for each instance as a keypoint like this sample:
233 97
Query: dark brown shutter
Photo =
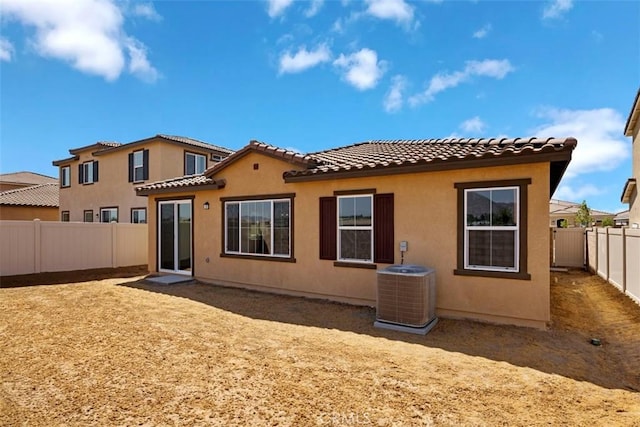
80 174
95 171
145 165
130 167
328 228
383 236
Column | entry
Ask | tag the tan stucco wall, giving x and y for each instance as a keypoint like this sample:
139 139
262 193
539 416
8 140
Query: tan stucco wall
425 216
26 213
166 160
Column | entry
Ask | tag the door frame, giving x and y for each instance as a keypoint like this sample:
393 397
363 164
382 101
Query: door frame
175 201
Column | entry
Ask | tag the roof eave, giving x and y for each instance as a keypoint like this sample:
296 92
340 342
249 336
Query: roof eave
629 186
632 120
128 145
62 162
216 185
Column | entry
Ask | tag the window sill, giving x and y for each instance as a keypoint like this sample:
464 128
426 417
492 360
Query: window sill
258 258
494 274
355 265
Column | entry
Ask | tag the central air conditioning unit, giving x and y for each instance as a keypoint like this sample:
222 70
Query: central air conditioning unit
406 299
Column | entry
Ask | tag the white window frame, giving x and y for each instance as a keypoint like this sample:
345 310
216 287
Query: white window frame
138 164
138 210
102 210
65 216
354 227
87 172
65 176
196 157
240 204
515 229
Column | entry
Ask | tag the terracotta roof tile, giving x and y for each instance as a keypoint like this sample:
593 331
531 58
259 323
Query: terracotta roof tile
36 195
26 177
392 153
179 182
195 143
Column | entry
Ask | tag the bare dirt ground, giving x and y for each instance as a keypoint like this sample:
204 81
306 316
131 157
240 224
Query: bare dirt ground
119 351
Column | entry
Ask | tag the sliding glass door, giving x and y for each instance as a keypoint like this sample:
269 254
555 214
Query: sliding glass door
174 236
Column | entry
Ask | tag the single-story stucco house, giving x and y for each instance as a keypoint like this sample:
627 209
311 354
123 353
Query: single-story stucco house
320 225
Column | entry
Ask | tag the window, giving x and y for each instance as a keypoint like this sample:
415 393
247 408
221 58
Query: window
139 216
65 176
109 215
258 227
88 172
492 229
139 166
194 163
64 216
88 216
357 228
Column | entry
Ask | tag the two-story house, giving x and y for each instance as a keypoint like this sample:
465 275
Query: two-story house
630 191
97 182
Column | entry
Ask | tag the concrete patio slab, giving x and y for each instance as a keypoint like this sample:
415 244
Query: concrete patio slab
170 279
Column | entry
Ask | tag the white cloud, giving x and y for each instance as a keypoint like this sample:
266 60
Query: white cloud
6 50
495 68
482 32
146 10
577 194
277 7
395 10
362 69
88 34
314 8
393 101
601 145
474 124
303 59
139 65
556 8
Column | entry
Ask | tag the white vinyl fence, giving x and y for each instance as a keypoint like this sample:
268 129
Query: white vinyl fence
614 254
44 246
568 247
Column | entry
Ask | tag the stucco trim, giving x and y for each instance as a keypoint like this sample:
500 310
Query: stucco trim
355 265
354 192
522 273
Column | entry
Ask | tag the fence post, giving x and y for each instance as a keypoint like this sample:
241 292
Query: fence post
114 244
624 260
608 251
37 246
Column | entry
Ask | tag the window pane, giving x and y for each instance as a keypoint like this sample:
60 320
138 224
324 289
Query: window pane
137 158
88 172
200 164
190 164
355 211
478 207
355 244
233 227
503 207
138 173
255 227
281 228
492 248
167 236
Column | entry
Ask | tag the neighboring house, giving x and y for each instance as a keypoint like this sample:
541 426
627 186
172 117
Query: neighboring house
97 182
560 211
621 219
630 191
319 225
28 203
13 180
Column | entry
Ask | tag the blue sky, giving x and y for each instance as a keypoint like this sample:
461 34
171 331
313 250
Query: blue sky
311 75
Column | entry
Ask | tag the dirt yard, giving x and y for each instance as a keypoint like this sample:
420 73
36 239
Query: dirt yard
122 352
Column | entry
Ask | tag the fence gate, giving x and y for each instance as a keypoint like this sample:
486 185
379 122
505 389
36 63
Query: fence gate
569 247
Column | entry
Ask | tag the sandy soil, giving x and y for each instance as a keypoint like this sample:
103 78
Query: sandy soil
123 352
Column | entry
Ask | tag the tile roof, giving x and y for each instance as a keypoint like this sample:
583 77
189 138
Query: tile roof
98 146
561 207
382 154
270 150
178 183
26 177
36 195
195 142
